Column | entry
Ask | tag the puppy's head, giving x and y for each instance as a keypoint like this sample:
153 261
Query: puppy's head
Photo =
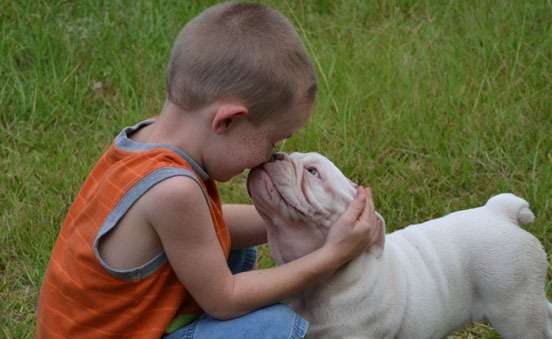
300 196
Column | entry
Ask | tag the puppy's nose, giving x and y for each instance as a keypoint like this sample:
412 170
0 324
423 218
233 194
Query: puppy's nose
278 156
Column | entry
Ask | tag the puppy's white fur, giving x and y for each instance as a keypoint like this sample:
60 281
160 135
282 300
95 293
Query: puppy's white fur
423 281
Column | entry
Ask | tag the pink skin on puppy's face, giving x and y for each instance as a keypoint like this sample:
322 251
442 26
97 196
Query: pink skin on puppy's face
299 196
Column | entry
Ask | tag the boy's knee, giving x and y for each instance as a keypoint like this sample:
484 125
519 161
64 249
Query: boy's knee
279 321
276 321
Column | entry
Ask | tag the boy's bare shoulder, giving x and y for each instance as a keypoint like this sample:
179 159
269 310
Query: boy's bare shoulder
177 189
176 203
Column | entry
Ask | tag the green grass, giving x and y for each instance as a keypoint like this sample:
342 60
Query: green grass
435 104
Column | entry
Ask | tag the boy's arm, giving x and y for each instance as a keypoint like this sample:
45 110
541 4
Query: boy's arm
247 228
180 216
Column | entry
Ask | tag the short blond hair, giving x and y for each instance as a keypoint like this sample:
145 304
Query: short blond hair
241 50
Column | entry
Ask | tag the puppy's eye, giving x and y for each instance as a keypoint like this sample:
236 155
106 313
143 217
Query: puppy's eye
313 171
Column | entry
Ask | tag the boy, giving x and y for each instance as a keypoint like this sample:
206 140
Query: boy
144 248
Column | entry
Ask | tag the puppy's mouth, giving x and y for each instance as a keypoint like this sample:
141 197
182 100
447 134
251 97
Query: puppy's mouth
270 187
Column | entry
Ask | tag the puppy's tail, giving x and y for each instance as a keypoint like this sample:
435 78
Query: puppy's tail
548 330
515 208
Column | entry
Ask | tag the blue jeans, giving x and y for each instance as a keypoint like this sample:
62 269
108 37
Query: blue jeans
276 321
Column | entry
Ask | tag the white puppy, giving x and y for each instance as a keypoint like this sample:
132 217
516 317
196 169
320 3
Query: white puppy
423 281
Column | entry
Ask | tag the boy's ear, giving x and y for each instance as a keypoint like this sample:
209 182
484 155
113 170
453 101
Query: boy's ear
224 116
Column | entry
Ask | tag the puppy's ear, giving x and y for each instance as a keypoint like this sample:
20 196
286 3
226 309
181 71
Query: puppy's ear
355 185
378 238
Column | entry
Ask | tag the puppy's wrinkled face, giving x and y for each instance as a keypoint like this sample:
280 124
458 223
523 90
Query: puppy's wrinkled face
299 196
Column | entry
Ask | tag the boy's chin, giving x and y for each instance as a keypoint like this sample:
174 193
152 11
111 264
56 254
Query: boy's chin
224 176
220 178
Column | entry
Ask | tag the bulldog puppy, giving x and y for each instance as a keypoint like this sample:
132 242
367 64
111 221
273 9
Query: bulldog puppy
423 281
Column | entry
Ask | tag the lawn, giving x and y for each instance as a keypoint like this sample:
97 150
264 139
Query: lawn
437 105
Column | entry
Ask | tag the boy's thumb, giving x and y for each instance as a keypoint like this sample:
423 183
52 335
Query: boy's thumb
356 207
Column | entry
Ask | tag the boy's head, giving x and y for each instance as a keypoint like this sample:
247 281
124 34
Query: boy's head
242 51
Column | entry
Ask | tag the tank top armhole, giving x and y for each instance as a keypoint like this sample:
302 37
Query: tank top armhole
122 207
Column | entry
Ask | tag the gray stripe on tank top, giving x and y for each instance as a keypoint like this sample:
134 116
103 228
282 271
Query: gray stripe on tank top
123 142
122 207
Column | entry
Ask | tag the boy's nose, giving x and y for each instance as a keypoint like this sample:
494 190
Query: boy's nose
278 156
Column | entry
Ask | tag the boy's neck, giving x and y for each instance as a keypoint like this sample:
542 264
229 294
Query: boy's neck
188 131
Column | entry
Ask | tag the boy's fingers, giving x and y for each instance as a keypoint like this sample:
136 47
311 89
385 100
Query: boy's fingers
356 207
368 210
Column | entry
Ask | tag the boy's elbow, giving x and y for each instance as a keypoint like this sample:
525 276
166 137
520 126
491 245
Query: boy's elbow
224 311
226 306
222 314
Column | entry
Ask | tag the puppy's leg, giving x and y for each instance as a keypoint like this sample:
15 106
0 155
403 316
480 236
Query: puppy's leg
512 291
522 316
549 321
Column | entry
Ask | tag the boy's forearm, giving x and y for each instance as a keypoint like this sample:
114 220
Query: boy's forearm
258 288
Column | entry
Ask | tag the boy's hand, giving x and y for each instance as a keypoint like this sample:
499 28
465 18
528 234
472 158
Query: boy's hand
351 233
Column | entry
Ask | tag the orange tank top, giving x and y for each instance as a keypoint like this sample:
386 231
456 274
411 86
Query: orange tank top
81 296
